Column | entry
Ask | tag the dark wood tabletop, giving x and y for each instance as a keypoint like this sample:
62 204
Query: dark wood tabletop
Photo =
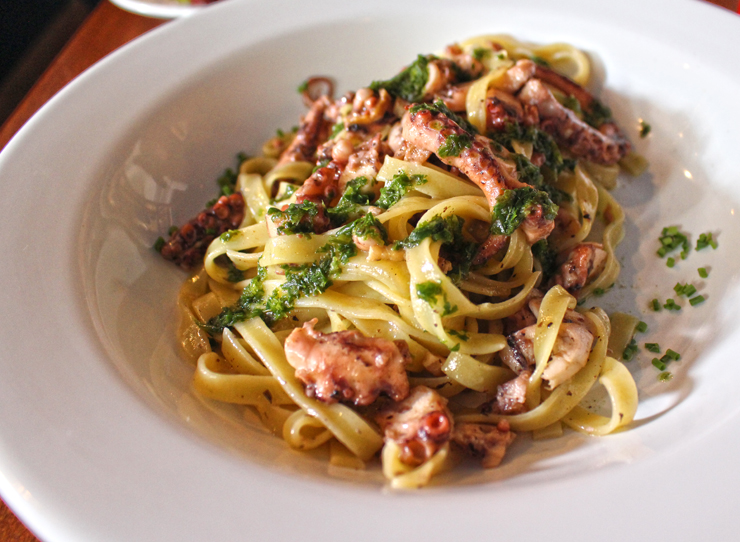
106 29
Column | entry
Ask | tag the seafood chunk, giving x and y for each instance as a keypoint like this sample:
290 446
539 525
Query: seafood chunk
511 396
487 441
420 425
582 140
583 262
187 246
313 130
569 354
347 366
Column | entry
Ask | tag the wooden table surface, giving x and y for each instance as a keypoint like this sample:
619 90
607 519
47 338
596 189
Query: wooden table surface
105 30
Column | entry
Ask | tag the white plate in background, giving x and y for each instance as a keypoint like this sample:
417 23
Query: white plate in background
100 436
160 9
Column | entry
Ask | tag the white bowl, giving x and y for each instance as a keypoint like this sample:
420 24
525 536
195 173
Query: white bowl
101 437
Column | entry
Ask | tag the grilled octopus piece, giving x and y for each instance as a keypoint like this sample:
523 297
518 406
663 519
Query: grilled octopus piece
347 366
187 246
604 146
313 130
420 425
582 262
569 354
428 130
488 442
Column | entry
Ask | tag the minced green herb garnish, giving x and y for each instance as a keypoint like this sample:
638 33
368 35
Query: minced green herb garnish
513 206
429 291
228 235
440 107
459 334
641 327
349 205
234 273
300 281
410 83
597 115
696 300
159 244
288 191
703 273
297 218
397 188
542 143
454 145
455 247
644 128
652 347
546 256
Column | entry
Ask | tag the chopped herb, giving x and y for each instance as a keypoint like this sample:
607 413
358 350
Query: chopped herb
655 305
665 376
303 87
246 307
479 53
410 83
211 231
542 143
455 348
288 191
598 291
297 218
703 273
670 262
597 115
159 244
351 201
459 334
234 273
397 188
441 108
672 355
696 300
454 145
428 291
641 327
644 128
671 239
684 289
172 230
705 240
321 164
671 305
228 235
661 366
539 61
547 257
338 127
630 350
652 347
368 227
513 206
449 230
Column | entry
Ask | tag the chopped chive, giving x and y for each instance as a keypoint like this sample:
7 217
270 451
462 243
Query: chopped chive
652 347
706 240
630 350
655 305
641 327
703 273
684 289
172 230
665 376
598 291
696 300
670 262
659 364
672 354
662 251
671 305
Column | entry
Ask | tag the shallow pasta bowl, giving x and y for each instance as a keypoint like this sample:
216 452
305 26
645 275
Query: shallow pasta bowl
100 434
